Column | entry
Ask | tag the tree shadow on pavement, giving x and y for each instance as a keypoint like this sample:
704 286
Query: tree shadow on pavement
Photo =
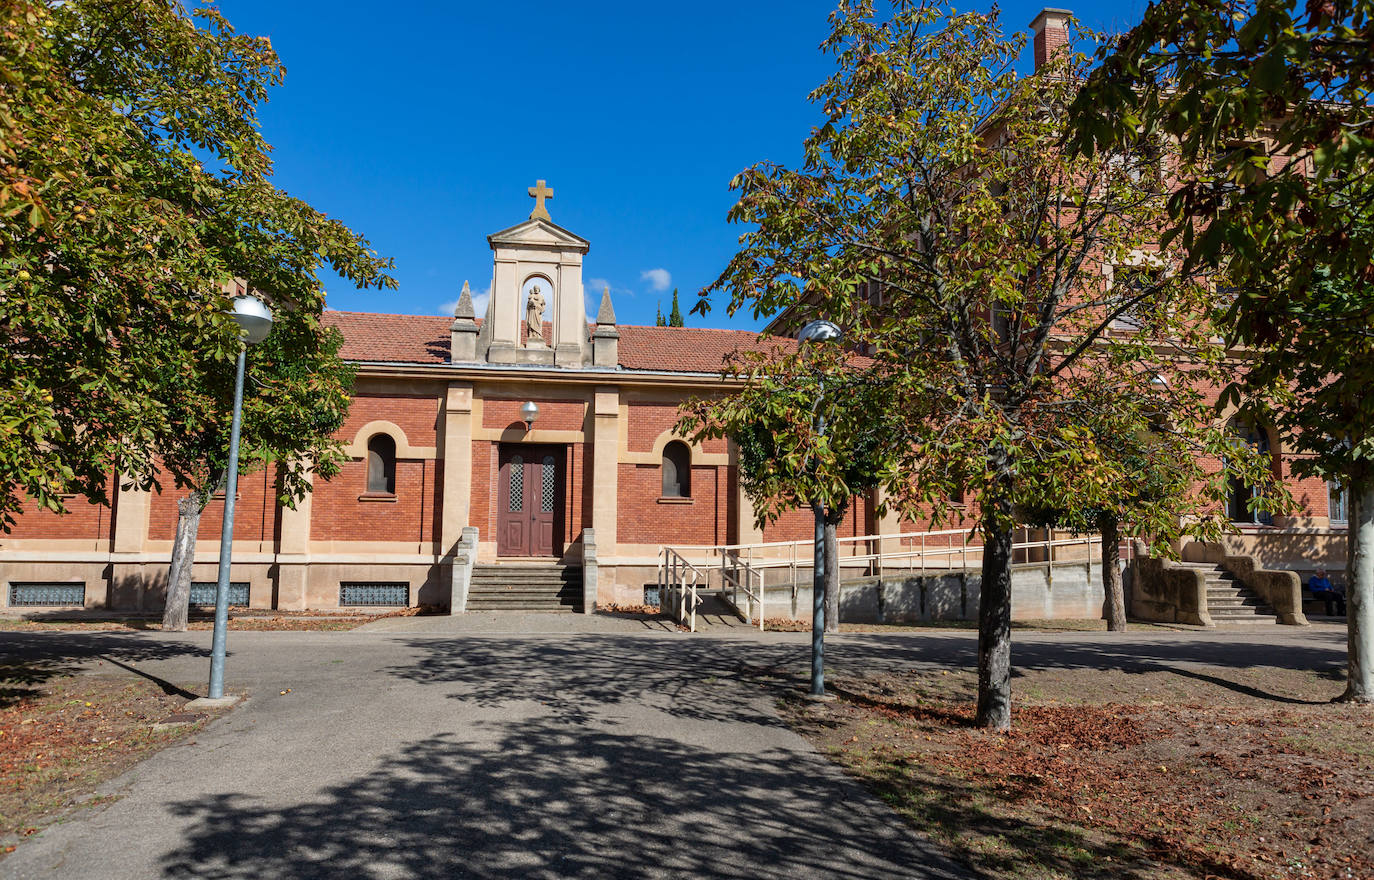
583 678
543 799
28 660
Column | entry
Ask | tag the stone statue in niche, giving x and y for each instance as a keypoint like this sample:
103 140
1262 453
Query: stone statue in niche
534 317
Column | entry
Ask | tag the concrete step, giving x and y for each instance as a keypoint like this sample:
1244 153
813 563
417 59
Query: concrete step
525 587
1241 610
540 582
524 598
526 574
1239 607
548 607
502 584
1232 591
1246 620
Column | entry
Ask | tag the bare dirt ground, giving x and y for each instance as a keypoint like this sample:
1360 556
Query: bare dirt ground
62 737
1202 772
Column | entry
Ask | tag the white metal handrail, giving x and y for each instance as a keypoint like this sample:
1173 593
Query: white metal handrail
736 576
743 567
676 574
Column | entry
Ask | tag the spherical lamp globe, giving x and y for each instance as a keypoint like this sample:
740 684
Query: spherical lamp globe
254 318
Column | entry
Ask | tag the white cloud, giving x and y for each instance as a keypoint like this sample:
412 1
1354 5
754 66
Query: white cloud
659 279
479 304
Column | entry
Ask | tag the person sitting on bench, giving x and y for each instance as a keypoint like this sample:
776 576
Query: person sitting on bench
1323 589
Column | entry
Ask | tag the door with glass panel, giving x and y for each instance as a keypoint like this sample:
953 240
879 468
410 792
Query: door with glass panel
529 501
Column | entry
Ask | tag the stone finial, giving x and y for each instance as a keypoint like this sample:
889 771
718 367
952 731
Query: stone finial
463 330
605 316
605 338
464 309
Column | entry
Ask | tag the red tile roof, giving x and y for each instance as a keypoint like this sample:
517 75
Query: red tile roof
424 339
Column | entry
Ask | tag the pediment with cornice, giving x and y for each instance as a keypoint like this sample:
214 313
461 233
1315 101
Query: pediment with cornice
538 233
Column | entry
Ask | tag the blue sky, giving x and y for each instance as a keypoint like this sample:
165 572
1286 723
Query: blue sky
421 125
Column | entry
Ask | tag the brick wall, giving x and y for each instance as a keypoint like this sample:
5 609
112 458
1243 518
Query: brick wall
707 519
415 414
646 421
83 521
255 510
554 415
483 500
337 514
800 524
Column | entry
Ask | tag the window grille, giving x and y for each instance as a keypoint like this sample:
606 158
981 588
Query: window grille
364 593
47 594
517 483
203 593
550 484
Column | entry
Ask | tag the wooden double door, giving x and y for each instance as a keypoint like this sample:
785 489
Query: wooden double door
529 512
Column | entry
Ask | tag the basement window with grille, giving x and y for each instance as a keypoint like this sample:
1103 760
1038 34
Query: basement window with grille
368 593
203 593
63 594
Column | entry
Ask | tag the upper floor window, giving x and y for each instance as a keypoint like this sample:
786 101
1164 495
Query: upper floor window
677 470
381 465
1245 503
1337 504
1132 287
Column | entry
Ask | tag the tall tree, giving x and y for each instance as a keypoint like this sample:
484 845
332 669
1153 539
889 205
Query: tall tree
295 401
785 462
675 316
659 320
134 182
994 281
1269 104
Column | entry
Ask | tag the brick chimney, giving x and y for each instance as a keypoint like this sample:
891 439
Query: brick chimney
1051 32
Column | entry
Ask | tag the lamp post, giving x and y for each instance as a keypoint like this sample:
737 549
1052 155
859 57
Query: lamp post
255 322
815 332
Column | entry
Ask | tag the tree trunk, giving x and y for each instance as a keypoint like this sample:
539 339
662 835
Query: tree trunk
832 577
183 554
1107 526
994 607
1359 598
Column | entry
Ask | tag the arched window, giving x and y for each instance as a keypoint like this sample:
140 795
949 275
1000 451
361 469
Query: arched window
381 465
1238 505
677 470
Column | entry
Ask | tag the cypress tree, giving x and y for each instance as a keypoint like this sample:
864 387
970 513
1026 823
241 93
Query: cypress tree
675 317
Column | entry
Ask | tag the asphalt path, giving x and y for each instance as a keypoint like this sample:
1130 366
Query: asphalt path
504 754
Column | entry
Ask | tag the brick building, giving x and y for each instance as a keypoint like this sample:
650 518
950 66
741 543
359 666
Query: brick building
441 441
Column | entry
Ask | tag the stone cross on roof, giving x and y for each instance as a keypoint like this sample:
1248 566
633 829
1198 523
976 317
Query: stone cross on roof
539 192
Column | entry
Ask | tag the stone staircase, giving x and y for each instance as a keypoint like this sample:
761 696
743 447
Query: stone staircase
516 586
1230 602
